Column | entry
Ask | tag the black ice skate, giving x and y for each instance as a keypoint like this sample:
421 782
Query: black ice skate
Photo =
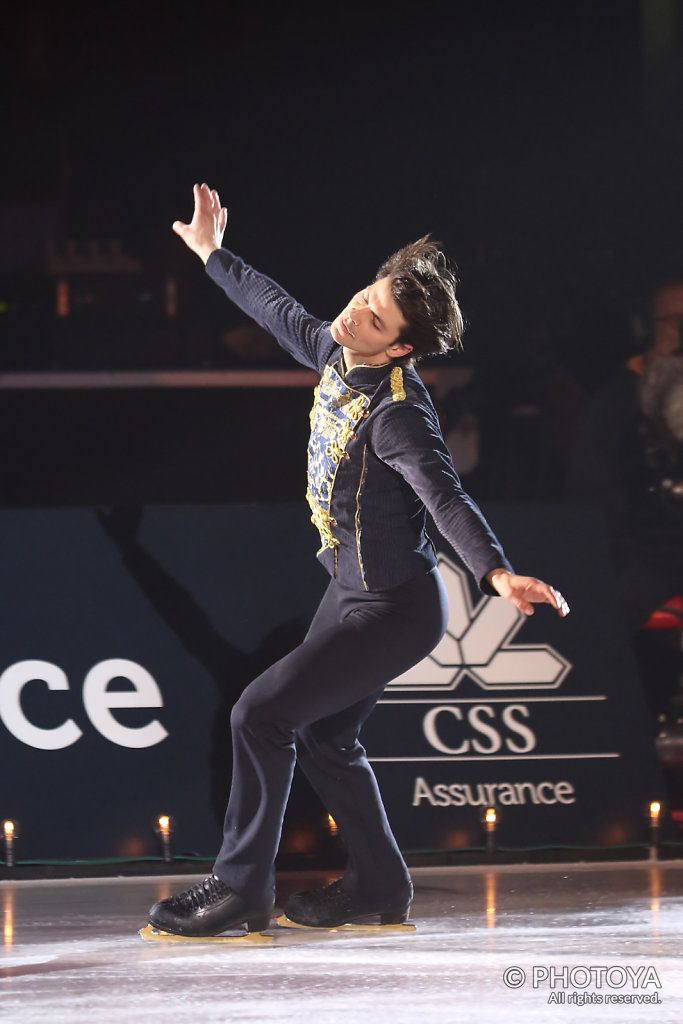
332 906
206 911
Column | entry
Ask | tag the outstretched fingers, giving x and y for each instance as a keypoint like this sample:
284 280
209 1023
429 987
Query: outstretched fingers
539 592
560 603
204 234
220 212
526 591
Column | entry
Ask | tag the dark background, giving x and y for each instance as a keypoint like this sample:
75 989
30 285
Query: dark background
540 142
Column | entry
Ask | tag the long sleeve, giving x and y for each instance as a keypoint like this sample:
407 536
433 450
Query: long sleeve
306 338
407 438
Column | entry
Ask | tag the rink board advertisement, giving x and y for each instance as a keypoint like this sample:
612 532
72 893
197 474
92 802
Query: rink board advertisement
128 634
539 718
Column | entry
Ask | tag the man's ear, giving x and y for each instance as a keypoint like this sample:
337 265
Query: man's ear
399 349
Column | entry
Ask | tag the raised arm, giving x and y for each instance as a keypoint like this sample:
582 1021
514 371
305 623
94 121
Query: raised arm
306 338
204 234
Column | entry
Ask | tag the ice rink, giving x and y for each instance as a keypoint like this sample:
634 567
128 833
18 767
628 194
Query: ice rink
567 942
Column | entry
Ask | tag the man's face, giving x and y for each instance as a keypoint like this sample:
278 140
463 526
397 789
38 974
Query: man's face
668 321
369 326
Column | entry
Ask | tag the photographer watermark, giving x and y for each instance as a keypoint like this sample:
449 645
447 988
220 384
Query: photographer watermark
614 984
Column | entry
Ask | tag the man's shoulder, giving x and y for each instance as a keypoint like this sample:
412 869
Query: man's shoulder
406 385
404 394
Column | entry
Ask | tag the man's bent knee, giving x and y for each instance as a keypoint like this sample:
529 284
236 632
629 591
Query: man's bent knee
257 716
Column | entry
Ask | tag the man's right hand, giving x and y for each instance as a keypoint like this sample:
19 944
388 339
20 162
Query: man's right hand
204 234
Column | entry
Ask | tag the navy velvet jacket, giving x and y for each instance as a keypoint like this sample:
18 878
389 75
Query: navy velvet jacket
376 456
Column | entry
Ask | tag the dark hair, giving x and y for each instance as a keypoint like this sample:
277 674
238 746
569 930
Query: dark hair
423 286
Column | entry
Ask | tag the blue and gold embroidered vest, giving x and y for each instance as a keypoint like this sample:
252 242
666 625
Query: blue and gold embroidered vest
337 411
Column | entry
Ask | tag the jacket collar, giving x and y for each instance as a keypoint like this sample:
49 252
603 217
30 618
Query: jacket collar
363 374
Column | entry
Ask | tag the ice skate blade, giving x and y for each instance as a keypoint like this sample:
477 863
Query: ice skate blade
150 934
284 922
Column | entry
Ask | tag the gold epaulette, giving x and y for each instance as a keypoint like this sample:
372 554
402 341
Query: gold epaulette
396 379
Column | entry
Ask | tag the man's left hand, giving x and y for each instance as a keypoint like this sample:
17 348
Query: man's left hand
526 591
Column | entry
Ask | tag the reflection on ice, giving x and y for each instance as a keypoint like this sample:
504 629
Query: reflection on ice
73 955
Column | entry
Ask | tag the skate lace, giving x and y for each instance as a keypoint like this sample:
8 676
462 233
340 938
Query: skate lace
202 894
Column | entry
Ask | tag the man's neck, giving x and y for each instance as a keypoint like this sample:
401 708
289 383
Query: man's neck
351 359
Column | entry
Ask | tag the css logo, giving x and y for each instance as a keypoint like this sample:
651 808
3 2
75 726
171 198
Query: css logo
98 701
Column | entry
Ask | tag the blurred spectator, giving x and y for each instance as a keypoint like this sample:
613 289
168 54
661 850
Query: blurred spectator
627 456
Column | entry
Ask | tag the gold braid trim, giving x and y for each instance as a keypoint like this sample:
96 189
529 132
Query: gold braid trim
357 520
334 417
337 447
396 380
316 396
323 521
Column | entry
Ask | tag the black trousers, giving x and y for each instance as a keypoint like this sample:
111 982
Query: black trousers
309 708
